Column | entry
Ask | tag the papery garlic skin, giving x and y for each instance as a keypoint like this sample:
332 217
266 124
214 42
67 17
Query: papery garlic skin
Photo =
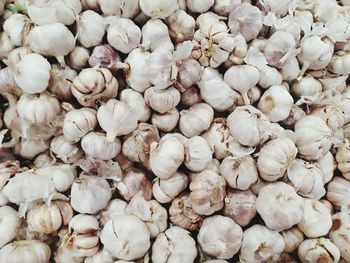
339 233
261 244
162 100
10 223
137 103
90 28
293 237
104 56
220 237
67 151
159 9
97 145
338 192
279 206
198 154
316 220
313 250
5 45
174 245
79 57
126 237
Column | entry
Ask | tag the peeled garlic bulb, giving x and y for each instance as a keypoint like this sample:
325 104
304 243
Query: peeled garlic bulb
158 9
9 226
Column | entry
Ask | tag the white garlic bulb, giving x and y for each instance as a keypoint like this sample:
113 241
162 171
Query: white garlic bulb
61 80
114 208
181 26
340 63
90 194
239 171
332 115
159 9
16 28
196 119
261 244
313 250
90 28
174 245
162 100
155 35
67 151
116 118
338 192
165 190
293 238
327 164
207 192
104 56
137 103
123 8
62 175
225 7
5 45
126 237
96 145
316 220
199 6
29 148
339 233
307 86
279 206
198 154
9 226
79 57
220 237
343 160
167 121
290 70
166 156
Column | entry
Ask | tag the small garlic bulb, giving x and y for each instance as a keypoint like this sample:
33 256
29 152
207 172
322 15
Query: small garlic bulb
293 238
340 63
313 137
316 250
61 80
94 85
181 26
240 206
307 86
30 250
199 6
124 35
10 223
239 171
16 28
207 192
67 151
196 119
96 145
90 194
116 118
279 206
343 160
166 157
225 7
260 244
182 214
340 233
338 192
167 121
165 190
275 158
159 9
174 245
155 35
316 220
162 100
32 73
198 154
327 165
290 70
137 103
220 237
90 28
79 57
126 237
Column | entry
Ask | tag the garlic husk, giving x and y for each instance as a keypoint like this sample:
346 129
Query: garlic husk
162 100
316 220
61 81
279 206
104 56
32 250
79 57
126 237
90 194
67 151
90 28
155 35
167 121
293 237
198 154
181 26
165 190
158 9
327 164
338 193
17 28
10 223
261 244
313 250
339 233
174 245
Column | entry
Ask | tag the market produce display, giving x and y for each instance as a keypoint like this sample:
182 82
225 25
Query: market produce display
174 131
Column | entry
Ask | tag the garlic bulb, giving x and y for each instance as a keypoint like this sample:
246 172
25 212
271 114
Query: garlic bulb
17 28
79 57
316 220
166 156
261 244
62 175
240 206
78 122
343 160
10 223
159 9
61 80
67 151
90 28
327 164
199 6
167 121
191 96
126 237
133 182
338 192
189 74
155 35
174 245
162 100
207 192
182 214
94 85
290 70
225 7
340 63
90 194
339 233
239 171
196 119
181 26
5 45
51 40
32 73
97 145
293 237
306 178
314 250
114 208
124 35
116 118
29 148
279 206
275 158
137 103
220 236
307 86
104 56
32 250
313 137
332 115
122 8
165 190
198 154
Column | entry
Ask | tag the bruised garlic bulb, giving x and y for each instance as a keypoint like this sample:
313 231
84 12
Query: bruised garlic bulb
196 119
220 237
261 244
96 144
165 190
10 223
207 192
90 28
162 100
90 194
32 250
126 237
79 57
293 238
137 103
279 206
155 35
174 245
321 249
167 121
340 233
198 154
116 118
65 150
239 171
61 80
316 220
240 206
275 158
343 159
181 26
338 193
161 9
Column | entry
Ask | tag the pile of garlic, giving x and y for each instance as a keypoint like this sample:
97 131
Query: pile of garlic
174 131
